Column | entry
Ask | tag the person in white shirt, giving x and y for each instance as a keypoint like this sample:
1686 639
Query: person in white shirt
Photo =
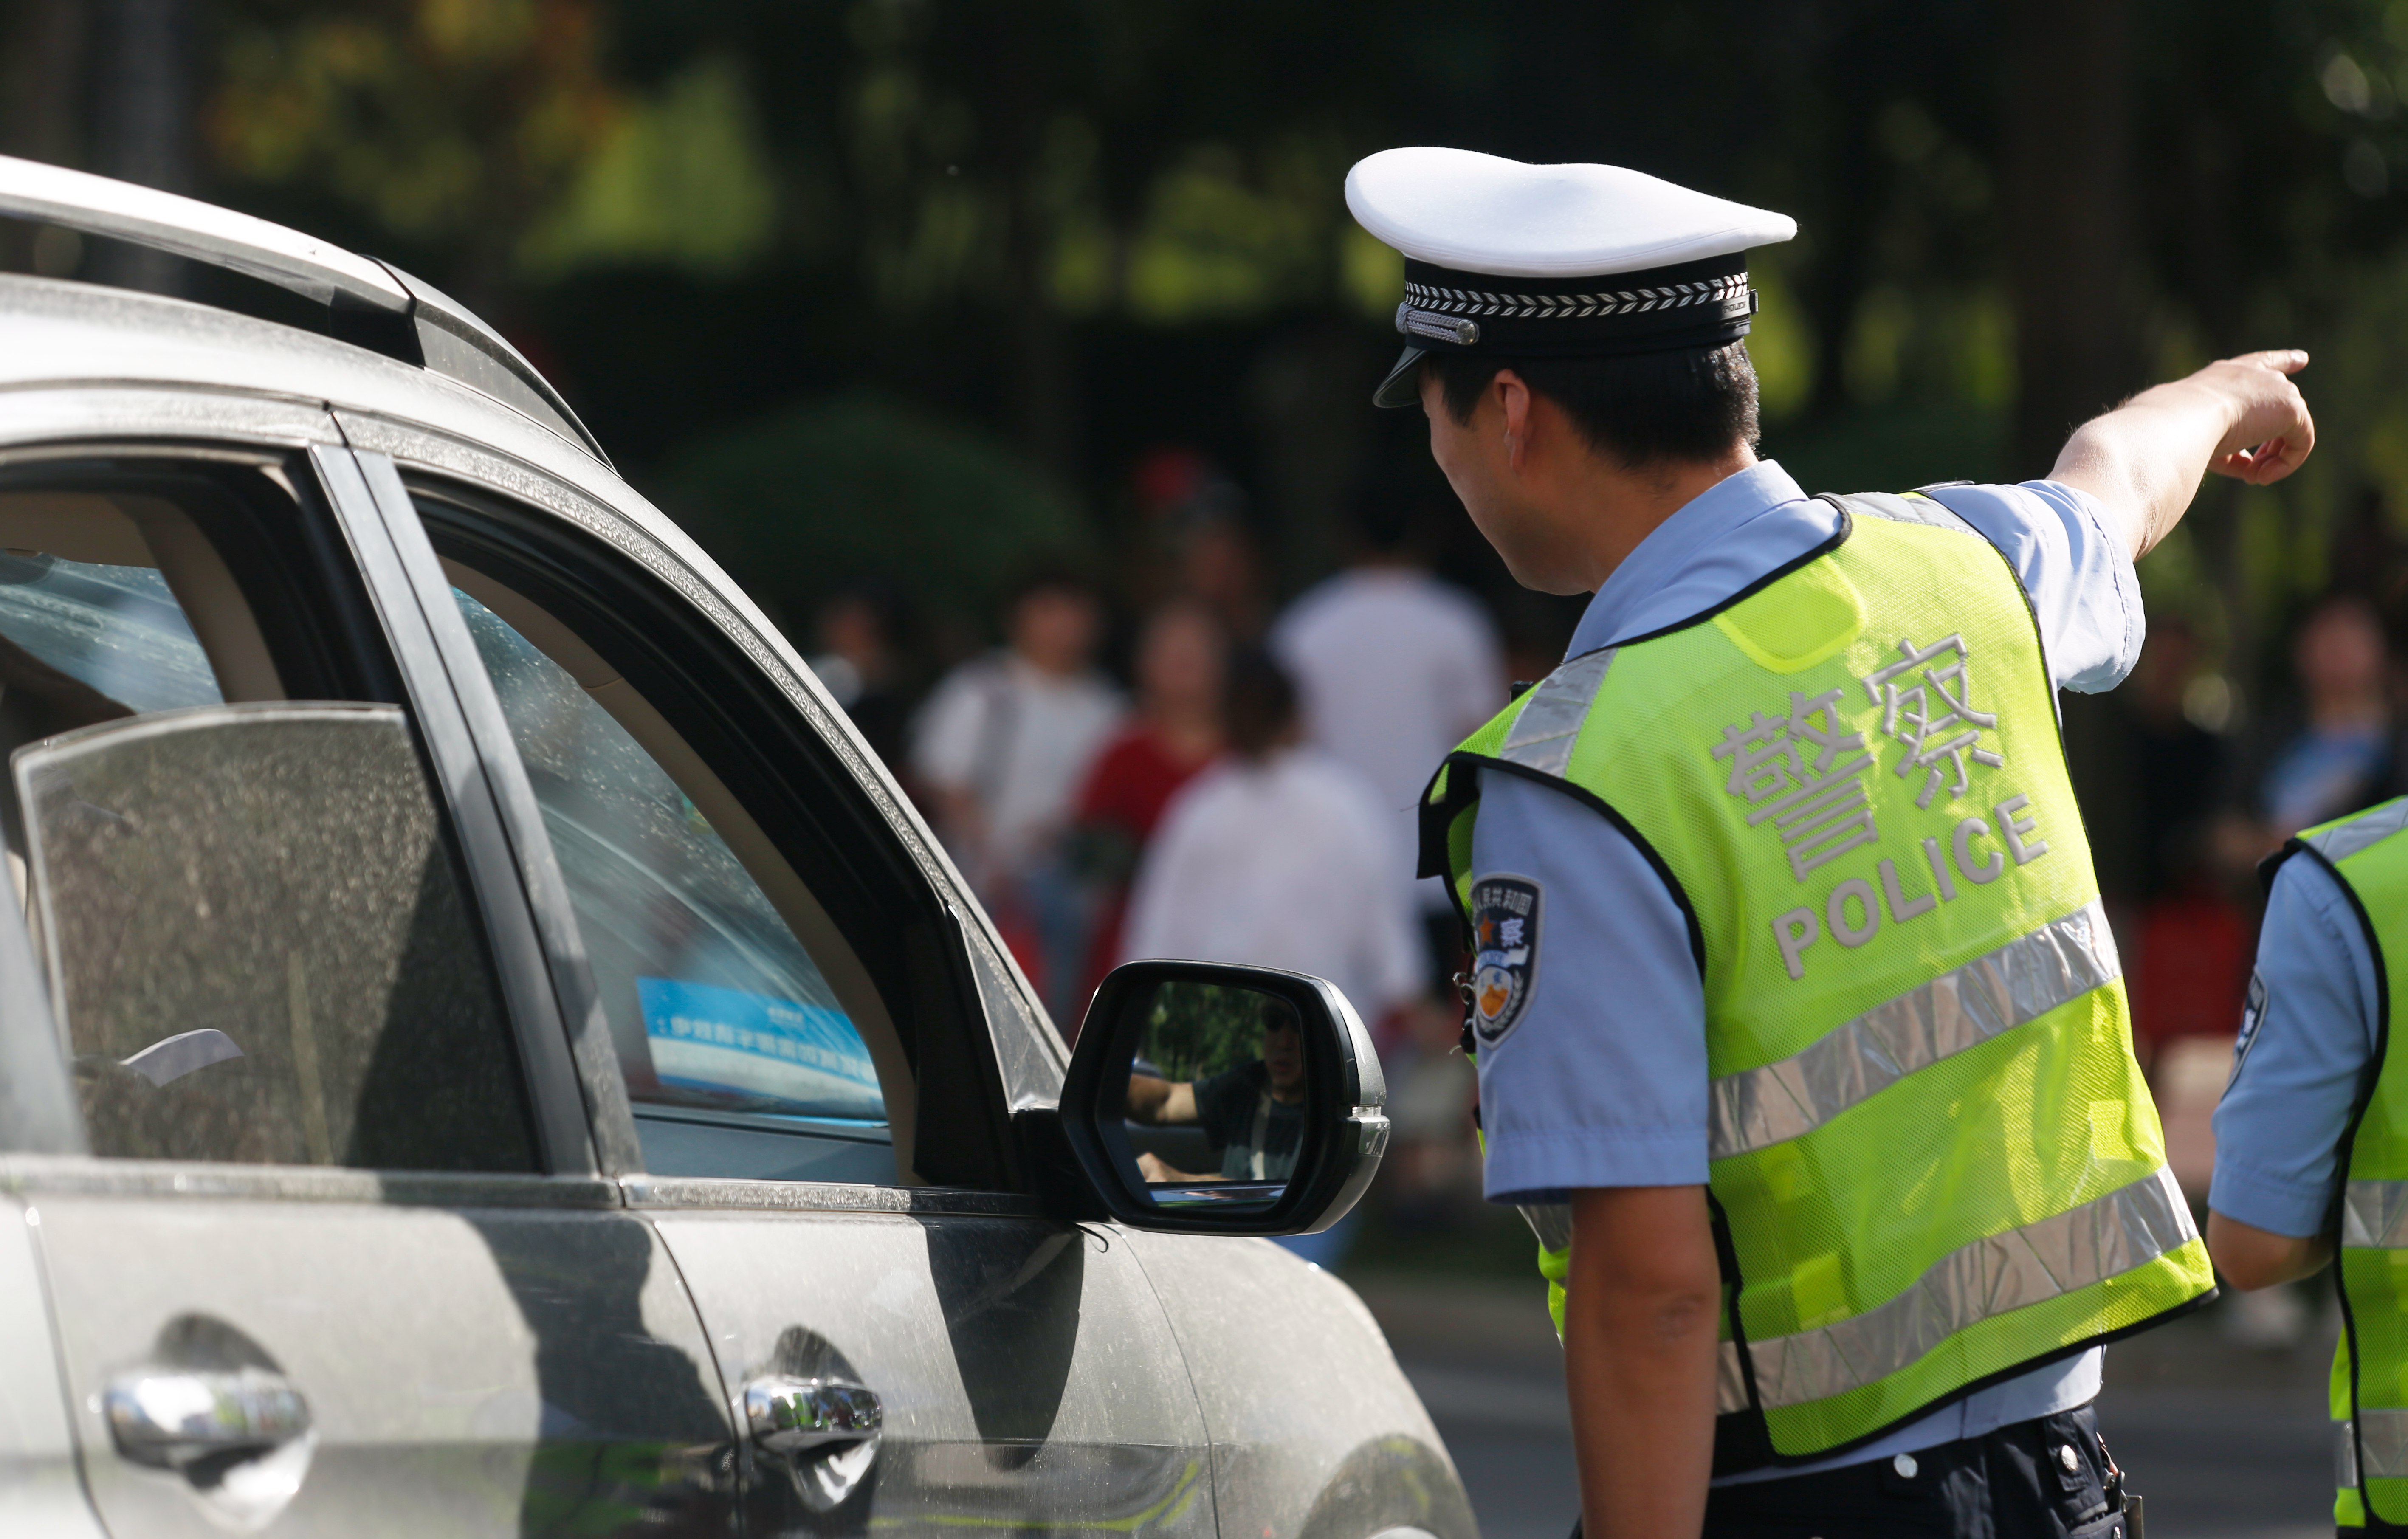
1278 856
1000 750
1395 667
1281 856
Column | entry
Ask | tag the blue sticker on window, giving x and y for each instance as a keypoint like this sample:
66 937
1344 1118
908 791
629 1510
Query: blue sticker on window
729 1040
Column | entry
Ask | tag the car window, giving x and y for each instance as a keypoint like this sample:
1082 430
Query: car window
741 1055
255 935
117 630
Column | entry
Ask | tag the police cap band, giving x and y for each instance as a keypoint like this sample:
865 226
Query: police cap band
1569 261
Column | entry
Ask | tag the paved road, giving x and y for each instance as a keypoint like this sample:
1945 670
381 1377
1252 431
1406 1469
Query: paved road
2225 1442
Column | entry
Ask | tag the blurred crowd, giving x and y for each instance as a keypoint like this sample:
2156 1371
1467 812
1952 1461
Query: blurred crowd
1167 763
1243 787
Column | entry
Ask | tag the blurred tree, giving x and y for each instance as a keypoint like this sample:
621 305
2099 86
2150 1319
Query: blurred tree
829 494
142 117
45 49
2068 217
457 126
1096 225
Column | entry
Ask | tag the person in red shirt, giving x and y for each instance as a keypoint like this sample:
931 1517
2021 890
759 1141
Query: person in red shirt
1176 731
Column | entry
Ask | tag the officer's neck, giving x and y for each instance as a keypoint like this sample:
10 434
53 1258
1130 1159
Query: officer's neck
1614 506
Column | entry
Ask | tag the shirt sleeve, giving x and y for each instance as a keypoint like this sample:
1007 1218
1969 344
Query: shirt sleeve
1600 1079
2306 1036
2075 566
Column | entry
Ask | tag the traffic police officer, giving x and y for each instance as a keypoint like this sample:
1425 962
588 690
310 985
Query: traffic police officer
2312 1135
1801 1033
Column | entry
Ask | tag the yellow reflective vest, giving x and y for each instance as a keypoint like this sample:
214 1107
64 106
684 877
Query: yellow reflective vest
2368 856
1933 1161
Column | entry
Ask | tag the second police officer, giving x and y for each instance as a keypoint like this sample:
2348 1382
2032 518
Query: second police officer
2311 1134
1802 1037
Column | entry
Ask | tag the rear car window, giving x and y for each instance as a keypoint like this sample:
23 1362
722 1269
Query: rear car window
253 925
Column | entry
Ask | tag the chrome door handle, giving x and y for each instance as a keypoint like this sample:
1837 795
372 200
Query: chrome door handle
792 1417
823 1432
171 1417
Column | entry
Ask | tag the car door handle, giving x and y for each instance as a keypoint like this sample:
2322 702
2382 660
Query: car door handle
823 1432
794 1418
169 1419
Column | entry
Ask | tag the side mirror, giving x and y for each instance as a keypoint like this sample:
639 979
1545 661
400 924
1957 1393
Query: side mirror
1219 1100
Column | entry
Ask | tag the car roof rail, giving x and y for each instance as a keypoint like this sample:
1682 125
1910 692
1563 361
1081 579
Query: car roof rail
368 303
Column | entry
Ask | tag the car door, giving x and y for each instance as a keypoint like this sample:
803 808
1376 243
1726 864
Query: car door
818 1042
323 1240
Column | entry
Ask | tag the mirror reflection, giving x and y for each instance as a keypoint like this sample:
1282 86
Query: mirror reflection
1216 1093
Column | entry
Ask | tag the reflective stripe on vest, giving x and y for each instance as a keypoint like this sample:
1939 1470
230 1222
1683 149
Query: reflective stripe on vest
2011 986
2116 1234
2338 841
2119 1233
2384 1434
2374 1215
2368 853
1931 1156
1549 725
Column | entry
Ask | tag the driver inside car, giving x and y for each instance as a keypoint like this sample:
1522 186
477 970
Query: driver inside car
1253 1113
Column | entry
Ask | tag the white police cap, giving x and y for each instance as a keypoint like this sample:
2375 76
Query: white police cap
1570 261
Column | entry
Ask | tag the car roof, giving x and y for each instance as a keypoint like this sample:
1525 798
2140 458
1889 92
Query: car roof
370 303
60 333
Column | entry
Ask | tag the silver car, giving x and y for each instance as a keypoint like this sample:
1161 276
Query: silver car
485 1049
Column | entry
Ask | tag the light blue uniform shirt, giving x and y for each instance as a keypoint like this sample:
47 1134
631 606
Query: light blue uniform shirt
2310 1030
1601 1081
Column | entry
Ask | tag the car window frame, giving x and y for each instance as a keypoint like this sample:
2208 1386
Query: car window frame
299 453
793 903
906 936
1020 1057
583 1123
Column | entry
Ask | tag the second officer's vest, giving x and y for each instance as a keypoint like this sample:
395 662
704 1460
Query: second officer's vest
2369 854
1933 1162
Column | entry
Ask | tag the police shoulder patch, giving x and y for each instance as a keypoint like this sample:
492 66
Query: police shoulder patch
1504 954
2253 1016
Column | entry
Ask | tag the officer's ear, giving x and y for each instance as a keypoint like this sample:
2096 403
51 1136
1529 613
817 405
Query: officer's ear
1509 393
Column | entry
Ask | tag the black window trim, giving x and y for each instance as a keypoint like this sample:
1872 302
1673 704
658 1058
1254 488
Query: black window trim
592 502
940 980
547 990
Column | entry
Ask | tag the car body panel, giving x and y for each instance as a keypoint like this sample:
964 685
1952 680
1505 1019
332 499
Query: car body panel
1027 1377
1315 1433
1032 1367
522 1363
41 1493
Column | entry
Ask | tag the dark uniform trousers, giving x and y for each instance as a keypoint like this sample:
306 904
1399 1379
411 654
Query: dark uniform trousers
2015 1483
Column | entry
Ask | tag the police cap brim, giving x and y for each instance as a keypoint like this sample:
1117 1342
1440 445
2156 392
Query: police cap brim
1403 385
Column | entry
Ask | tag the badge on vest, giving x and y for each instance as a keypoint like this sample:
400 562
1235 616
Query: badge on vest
1504 954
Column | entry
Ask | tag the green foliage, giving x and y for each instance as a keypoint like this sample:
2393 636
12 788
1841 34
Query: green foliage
449 123
1197 1030
1891 450
824 494
1031 185
679 179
